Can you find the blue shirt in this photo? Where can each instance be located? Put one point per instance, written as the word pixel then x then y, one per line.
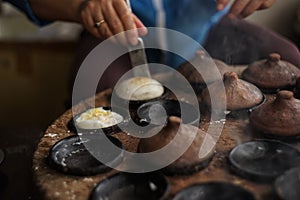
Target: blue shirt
pixel 191 17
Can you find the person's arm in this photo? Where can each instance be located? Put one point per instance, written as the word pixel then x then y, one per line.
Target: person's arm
pixel 113 16
pixel 244 8
pixel 102 18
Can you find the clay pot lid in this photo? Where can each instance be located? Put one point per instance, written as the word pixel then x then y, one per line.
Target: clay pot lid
pixel 279 117
pixel 214 191
pixel 132 186
pixel 206 65
pixel 272 73
pixel 263 160
pixel 239 94
pixel 287 185
pixel 184 164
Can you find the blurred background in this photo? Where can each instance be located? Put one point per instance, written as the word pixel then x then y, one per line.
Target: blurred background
pixel 34 76
pixel 35 62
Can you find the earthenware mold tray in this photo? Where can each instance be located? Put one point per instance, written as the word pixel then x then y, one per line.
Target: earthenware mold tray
pixel 56 185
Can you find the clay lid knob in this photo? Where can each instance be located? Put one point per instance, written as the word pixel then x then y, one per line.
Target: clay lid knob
pixel 285 94
pixel 274 57
pixel 230 76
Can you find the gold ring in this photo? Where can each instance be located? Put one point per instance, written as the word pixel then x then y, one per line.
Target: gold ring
pixel 98 24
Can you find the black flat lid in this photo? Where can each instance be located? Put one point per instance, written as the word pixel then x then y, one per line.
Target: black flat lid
pixel 154 112
pixel 287 185
pixel 263 160
pixel 214 191
pixel 71 156
pixel 128 186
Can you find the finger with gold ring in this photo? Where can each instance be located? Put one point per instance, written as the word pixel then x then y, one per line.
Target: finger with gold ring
pixel 98 24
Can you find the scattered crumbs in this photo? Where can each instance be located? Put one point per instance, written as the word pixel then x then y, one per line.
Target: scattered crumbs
pixel 36 168
pixel 63 162
pixel 73 196
pixel 88 179
pixel 65 184
pixel 68 131
pixel 153 187
pixel 53 126
pixel 52 135
pixel 214 122
pixel 227 112
pixel 238 182
pixel 279 151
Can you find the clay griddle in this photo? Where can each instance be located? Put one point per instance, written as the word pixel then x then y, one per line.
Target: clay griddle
pixel 126 186
pixel 55 185
pixel 263 160
pixel 214 191
pixel 70 156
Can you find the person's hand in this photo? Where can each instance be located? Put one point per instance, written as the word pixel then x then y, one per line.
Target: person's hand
pixel 244 8
pixel 105 18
